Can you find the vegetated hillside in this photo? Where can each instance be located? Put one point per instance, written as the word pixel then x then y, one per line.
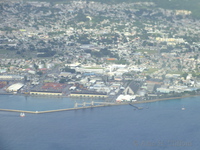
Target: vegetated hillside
pixel 192 5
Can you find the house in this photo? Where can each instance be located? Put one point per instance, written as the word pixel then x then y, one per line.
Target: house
pixel 132 88
pixel 151 87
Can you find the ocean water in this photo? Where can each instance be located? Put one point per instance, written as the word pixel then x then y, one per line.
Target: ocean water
pixel 159 125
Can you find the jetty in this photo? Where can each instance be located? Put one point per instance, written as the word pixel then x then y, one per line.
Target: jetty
pixel 135 106
pixel 84 105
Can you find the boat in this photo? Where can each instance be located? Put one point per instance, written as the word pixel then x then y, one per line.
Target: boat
pixel 22 114
pixel 183 108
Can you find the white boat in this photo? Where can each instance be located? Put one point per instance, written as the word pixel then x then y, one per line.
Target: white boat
pixel 183 108
pixel 22 114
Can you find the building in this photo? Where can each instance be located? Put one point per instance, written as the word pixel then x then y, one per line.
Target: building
pixel 11 77
pixel 88 94
pixel 132 88
pixel 48 93
pixel 15 87
pixel 3 84
pixel 163 90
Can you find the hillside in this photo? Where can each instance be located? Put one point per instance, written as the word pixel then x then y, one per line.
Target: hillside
pixel 192 5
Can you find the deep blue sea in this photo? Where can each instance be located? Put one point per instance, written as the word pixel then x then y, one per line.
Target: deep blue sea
pixel 159 125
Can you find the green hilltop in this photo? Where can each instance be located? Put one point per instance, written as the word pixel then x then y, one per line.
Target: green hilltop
pixel 191 5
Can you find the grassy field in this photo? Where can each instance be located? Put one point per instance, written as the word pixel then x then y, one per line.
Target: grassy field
pixel 3 51
pixel 175 72
pixel 151 70
pixel 192 5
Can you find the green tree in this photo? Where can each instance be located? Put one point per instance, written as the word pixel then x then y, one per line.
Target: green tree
pixel 67 69
pixel 25 78
pixel 39 73
pixel 62 80
pixel 184 75
pixel 35 66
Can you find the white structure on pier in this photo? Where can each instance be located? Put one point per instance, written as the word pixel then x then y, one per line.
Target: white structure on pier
pixel 121 98
pixel 15 87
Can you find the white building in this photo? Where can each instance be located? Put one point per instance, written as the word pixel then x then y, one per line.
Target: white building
pixel 15 87
pixel 32 72
pixel 11 77
pixel 122 98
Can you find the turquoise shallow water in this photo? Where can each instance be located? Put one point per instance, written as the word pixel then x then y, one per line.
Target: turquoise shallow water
pixel 160 125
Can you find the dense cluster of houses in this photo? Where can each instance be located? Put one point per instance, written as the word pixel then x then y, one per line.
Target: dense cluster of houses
pixel 99 50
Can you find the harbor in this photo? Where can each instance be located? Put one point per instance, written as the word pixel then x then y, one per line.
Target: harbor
pixel 88 105
pixel 102 124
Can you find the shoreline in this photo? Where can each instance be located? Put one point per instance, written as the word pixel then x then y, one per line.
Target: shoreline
pixel 164 99
pixel 106 104
pixel 139 102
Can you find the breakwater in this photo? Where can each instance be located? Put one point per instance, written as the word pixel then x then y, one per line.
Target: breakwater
pixel 91 105
pixel 77 106
pixel 50 111
pixel 136 107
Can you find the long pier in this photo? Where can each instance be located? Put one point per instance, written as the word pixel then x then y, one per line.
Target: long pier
pixel 91 105
pixel 49 111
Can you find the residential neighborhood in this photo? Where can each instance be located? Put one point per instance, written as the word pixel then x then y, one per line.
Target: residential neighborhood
pixel 120 52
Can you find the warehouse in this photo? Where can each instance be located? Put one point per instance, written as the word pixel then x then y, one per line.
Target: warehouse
pixel 15 87
pixel 49 93
pixel 87 94
pixel 11 77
